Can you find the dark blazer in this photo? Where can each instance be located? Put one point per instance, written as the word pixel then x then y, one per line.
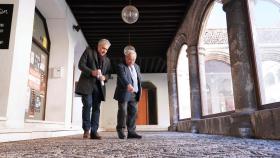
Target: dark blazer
pixel 124 78
pixel 87 83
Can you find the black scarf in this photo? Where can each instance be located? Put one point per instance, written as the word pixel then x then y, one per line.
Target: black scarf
pixel 101 60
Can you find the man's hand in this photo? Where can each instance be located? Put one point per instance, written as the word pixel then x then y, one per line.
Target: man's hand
pixel 102 78
pixel 130 88
pixel 96 73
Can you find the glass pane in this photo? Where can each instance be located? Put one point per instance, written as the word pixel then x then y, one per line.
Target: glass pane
pixel 265 20
pixel 39 31
pixel 219 87
pixel 214 64
pixel 37 83
pixel 183 84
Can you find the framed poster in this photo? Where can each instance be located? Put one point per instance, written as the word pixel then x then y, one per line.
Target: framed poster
pixel 6 14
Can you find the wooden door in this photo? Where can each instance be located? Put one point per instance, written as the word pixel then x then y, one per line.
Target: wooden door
pixel 142 115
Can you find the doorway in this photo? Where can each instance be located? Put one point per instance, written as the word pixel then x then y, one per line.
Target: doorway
pixel 147 106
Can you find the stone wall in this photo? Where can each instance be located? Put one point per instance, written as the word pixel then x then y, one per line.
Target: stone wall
pixel 264 125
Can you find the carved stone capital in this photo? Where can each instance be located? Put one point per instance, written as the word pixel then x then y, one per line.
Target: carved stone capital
pixel 173 127
pixel 192 50
pixel 201 51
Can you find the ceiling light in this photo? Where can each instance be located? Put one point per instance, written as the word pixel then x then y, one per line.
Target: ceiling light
pixel 130 14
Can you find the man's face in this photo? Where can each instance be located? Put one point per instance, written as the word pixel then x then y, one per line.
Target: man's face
pixel 102 49
pixel 130 59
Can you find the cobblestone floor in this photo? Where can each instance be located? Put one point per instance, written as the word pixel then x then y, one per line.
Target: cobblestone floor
pixel 153 144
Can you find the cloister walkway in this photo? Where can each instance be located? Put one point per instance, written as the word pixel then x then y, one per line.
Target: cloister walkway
pixel 153 144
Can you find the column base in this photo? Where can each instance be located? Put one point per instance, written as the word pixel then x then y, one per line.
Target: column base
pixel 194 126
pixel 173 127
pixel 241 125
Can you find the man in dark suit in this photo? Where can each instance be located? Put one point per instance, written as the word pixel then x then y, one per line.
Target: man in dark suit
pixel 127 93
pixel 95 67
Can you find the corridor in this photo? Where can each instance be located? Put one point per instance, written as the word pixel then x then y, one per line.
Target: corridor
pixel 153 144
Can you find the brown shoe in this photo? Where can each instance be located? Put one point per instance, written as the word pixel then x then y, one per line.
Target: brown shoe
pixel 86 135
pixel 95 136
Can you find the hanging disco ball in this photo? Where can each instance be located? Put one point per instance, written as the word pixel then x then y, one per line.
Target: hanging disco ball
pixel 130 14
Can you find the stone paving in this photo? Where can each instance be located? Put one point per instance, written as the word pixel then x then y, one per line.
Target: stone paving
pixel 153 144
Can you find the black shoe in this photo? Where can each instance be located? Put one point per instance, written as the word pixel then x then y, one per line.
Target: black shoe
pixel 95 136
pixel 121 134
pixel 86 135
pixel 133 135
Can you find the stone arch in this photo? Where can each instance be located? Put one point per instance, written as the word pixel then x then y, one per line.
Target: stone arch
pixel 172 59
pixel 194 21
pixel 174 51
pixel 188 34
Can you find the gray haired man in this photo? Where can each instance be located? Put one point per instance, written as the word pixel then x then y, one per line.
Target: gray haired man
pixel 127 93
pixel 95 67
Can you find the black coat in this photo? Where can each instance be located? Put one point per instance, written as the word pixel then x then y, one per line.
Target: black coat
pixel 87 83
pixel 124 78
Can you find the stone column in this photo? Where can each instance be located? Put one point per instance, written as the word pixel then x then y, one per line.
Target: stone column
pixel 241 67
pixel 203 87
pixel 173 99
pixel 194 87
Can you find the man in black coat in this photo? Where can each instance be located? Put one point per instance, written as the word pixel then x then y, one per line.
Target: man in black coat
pixel 127 93
pixel 95 67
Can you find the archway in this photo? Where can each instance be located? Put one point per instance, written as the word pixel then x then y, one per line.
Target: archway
pixel 147 108
pixel 172 59
pixel 183 84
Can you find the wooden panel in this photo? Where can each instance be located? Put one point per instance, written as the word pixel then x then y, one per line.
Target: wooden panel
pixel 142 115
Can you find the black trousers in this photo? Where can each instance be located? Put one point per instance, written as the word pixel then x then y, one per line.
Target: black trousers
pixel 127 114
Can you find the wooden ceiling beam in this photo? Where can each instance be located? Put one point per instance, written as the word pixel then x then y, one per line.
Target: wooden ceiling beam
pixel 129 30
pixel 133 37
pixel 117 11
pixel 118 17
pixel 151 35
pixel 94 27
pixel 136 34
pixel 169 21
pixel 92 5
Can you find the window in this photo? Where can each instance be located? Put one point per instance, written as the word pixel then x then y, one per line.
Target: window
pixel 183 83
pixel 38 69
pixel 214 63
pixel 265 20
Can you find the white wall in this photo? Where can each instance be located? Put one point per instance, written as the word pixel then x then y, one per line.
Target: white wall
pixel 6 61
pixel 67 46
pixel 15 64
pixel 64 41
pixel 109 108
pixel 160 81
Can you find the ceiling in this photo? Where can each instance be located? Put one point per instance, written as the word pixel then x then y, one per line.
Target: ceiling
pixel 151 35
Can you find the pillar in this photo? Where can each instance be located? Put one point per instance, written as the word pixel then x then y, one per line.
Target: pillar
pixel 194 87
pixel 15 65
pixel 244 88
pixel 173 99
pixel 203 87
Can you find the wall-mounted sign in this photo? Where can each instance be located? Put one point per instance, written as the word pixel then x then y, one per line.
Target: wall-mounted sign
pixel 6 14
